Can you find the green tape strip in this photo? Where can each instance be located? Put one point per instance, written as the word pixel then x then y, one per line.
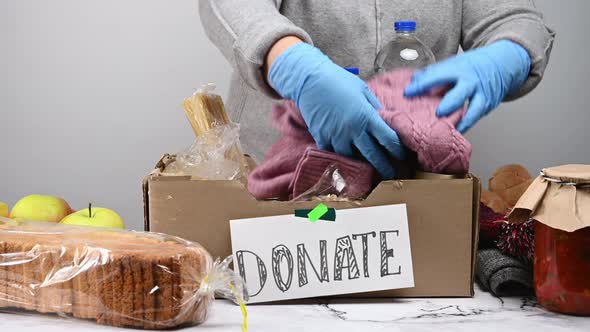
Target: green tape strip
pixel 328 215
pixel 317 212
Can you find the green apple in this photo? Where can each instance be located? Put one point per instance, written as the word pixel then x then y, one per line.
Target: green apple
pixel 40 208
pixel 95 217
pixel 3 210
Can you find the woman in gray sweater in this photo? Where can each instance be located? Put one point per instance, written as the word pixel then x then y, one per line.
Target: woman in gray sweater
pixel 295 49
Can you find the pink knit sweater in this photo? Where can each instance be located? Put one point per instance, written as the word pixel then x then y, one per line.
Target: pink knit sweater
pixel 293 164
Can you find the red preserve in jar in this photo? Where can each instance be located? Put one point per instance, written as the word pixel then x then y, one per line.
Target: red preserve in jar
pixel 562 269
pixel 559 199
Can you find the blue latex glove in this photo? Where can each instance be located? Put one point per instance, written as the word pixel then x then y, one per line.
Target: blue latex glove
pixel 484 76
pixel 338 107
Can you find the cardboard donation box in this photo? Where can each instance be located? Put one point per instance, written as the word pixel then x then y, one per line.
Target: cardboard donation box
pixel 441 216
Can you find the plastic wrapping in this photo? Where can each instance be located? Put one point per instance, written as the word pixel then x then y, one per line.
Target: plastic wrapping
pixel 330 187
pixel 216 153
pixel 205 110
pixel 114 277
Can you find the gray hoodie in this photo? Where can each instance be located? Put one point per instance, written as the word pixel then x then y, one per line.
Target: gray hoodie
pixel 351 33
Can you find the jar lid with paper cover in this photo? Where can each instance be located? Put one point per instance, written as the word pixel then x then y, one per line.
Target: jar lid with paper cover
pixel 559 199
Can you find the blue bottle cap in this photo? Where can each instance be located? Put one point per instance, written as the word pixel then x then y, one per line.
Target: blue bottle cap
pixel 354 71
pixel 405 26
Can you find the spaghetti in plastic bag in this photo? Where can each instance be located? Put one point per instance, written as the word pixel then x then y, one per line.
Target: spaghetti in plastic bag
pixel 216 153
pixel 114 277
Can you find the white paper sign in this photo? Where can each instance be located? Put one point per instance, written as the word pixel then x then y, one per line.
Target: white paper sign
pixel 288 257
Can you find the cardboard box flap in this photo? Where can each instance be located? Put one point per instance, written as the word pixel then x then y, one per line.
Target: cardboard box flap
pixel 163 163
pixel 559 198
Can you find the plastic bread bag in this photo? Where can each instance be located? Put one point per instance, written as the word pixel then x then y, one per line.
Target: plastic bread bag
pixel 114 277
pixel 216 153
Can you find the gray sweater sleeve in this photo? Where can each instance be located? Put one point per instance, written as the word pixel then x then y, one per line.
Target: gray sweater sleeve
pixel 487 21
pixel 244 31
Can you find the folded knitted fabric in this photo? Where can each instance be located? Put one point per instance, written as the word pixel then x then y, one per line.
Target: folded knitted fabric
pixel 438 146
pixel 503 275
pixel 273 178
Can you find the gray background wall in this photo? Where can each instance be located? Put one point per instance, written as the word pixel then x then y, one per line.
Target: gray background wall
pixel 91 92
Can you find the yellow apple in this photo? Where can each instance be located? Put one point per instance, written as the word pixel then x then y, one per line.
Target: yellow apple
pixel 95 217
pixel 40 208
pixel 3 210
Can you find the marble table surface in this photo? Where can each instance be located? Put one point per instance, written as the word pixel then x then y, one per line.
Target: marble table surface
pixel 481 313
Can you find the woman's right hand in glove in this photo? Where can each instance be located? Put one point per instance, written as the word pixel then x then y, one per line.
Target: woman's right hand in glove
pixel 338 107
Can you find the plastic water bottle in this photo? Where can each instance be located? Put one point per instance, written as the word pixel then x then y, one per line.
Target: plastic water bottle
pixel 405 51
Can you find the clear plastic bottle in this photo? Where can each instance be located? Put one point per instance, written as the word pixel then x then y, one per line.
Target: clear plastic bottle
pixel 405 51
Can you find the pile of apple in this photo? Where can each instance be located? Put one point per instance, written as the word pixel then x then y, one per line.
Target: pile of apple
pixel 55 209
